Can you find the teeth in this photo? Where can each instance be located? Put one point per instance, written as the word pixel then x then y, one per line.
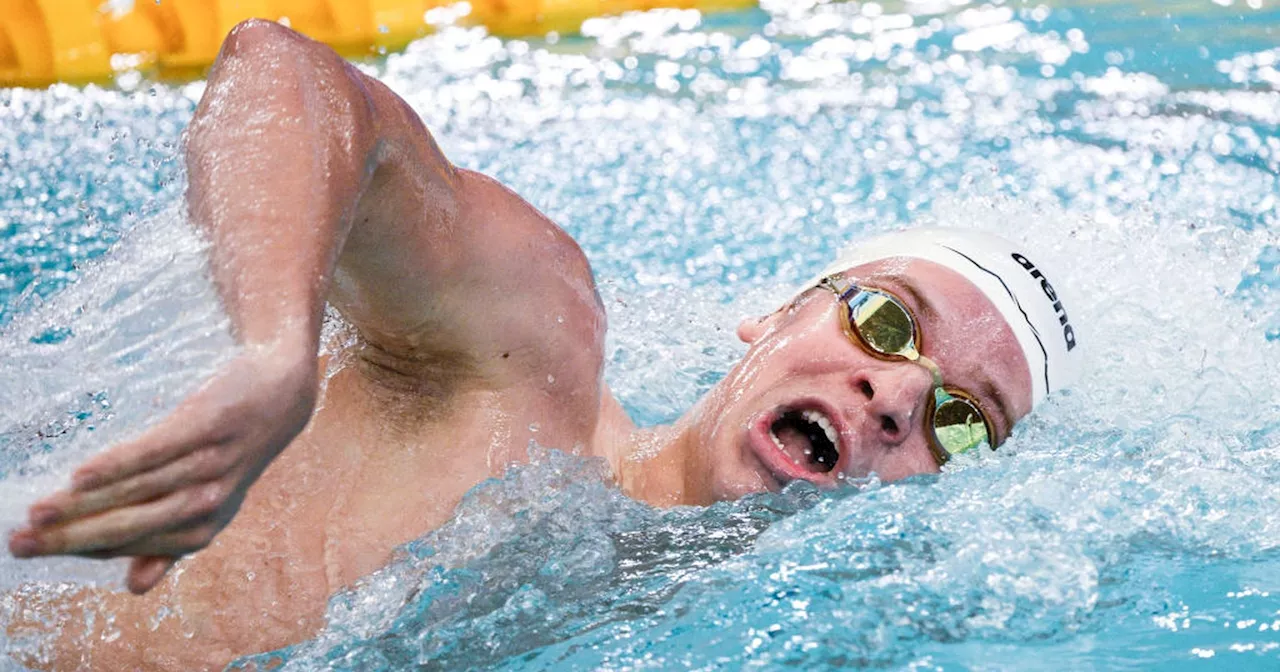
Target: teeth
pixel 777 442
pixel 814 418
pixel 819 419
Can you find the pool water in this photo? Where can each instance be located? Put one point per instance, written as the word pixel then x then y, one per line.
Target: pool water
pixel 707 164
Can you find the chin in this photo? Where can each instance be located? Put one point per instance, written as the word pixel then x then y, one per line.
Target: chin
pixel 732 490
pixel 736 473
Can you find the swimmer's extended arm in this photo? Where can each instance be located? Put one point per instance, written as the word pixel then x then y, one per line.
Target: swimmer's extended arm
pixel 313 181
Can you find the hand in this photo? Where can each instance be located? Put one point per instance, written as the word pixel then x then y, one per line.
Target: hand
pixel 169 492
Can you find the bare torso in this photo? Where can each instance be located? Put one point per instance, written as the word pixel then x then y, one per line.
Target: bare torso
pixel 376 467
pixel 479 326
pixel 386 457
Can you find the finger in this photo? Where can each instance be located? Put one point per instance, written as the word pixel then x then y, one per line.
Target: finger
pixel 146 571
pixel 202 465
pixel 176 435
pixel 175 544
pixel 22 543
pixel 97 555
pixel 115 528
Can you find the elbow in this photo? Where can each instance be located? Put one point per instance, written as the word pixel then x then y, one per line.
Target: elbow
pixel 256 37
pixel 258 50
pixel 265 65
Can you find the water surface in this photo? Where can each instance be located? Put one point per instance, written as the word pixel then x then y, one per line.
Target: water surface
pixel 707 164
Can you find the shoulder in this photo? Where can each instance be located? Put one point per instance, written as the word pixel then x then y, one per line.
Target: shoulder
pixel 545 294
pixel 538 259
pixel 513 302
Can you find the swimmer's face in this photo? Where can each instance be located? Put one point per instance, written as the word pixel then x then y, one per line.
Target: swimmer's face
pixel 802 375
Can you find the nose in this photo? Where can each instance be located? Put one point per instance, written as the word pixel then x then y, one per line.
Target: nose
pixel 895 394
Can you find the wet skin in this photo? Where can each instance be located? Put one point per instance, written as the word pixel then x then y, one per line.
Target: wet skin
pixel 317 184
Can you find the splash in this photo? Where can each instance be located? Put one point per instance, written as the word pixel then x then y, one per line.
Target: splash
pixel 708 164
pixel 96 363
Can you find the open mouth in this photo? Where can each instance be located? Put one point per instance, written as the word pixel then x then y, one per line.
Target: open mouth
pixel 808 438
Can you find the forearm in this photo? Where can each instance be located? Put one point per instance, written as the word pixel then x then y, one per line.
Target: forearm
pixel 278 153
pixel 314 183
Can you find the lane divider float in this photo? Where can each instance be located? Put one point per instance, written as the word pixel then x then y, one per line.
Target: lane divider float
pixel 79 41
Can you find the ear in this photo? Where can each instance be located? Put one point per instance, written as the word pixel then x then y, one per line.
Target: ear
pixel 752 328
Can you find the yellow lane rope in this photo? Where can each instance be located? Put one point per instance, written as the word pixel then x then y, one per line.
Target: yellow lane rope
pixel 47 41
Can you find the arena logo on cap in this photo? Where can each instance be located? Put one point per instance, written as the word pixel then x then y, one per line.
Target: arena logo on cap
pixel 1068 334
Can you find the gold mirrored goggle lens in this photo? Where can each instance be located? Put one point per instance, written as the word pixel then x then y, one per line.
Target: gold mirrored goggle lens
pixel 883 323
pixel 958 425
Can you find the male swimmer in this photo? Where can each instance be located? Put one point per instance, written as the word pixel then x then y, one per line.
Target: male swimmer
pixel 478 317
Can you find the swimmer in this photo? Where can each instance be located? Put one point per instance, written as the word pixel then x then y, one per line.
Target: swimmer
pixel 478 321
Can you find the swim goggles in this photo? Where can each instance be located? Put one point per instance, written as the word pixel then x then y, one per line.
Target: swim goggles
pixel 883 326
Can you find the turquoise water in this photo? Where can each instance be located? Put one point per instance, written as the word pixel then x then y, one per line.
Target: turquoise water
pixel 706 164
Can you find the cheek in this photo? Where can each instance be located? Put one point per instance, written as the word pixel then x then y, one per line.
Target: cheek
pixel 769 361
pixel 764 355
pixel 905 462
pixel 724 472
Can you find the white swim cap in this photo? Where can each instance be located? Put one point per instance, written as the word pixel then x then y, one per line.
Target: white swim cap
pixel 1032 307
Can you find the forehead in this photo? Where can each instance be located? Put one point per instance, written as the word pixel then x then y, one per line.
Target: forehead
pixel 960 329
